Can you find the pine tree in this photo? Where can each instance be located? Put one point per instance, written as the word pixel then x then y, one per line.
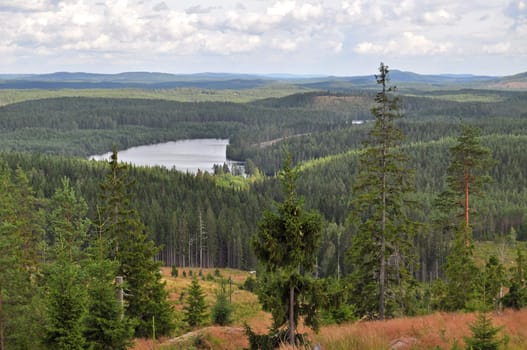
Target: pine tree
pixel 145 297
pixel 286 243
pixel 467 172
pixel 381 250
pixel 483 334
pixel 195 308
pixel 466 176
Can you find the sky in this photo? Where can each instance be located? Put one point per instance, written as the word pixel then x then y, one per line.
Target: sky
pixel 330 37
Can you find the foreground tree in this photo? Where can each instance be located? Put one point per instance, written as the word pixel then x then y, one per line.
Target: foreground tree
pixel 66 297
pixel 107 327
pixel 484 334
pixel 146 297
pixel 285 244
pixel 21 309
pixel 381 248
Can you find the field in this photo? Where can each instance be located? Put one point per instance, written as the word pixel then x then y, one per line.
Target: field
pixel 436 331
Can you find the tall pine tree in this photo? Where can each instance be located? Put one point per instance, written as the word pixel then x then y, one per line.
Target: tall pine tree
pixel 466 176
pixel 381 250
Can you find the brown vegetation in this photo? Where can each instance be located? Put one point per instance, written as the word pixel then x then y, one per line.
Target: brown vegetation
pixel 427 332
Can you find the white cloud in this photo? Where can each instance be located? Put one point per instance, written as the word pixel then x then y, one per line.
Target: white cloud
pixel 231 43
pixel 440 16
pixel 353 9
pixel 25 5
pixel 499 48
pixel 409 44
pixel 263 32
pixel 281 8
pixel 307 12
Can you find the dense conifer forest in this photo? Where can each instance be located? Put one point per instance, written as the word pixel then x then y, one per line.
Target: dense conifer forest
pixel 210 220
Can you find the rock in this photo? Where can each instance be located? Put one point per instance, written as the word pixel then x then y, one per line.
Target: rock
pixel 403 343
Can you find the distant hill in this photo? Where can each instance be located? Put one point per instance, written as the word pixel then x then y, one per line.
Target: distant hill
pixel 518 81
pixel 157 80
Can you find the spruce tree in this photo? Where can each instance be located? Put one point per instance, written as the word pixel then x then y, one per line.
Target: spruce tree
pixel 484 334
pixel 517 295
pixel 381 250
pixel 107 327
pixel 146 297
pixel 66 297
pixel 195 307
pixel 222 309
pixel 286 243
pixel 21 309
pixel 462 275
pixel 66 302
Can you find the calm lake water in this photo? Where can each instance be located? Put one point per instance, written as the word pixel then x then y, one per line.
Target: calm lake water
pixel 184 155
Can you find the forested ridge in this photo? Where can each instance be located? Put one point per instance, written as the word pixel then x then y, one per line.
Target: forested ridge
pixel 207 220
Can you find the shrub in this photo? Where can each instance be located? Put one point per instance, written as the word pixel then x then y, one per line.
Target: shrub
pixel 249 284
pixel 174 271
pixel 222 309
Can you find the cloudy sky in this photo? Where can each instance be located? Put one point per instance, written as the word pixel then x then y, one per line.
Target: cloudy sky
pixel 339 37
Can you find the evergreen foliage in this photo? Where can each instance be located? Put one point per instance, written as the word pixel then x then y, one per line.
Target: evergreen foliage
pixel 66 305
pixel 381 250
pixel 106 325
pixel 66 296
pixel 145 294
pixel 467 173
pixel 493 282
pixel 462 275
pixel 195 307
pixel 222 309
pixel 285 243
pixel 484 334
pixel 517 295
pixel 21 305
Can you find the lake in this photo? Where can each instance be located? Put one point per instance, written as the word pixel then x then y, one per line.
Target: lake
pixel 184 155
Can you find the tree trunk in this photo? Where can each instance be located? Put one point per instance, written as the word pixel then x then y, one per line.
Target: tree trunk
pixel 382 272
pixel 292 316
pixel 1 323
pixel 467 179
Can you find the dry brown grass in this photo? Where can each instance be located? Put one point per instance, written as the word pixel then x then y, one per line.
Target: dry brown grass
pixel 439 329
